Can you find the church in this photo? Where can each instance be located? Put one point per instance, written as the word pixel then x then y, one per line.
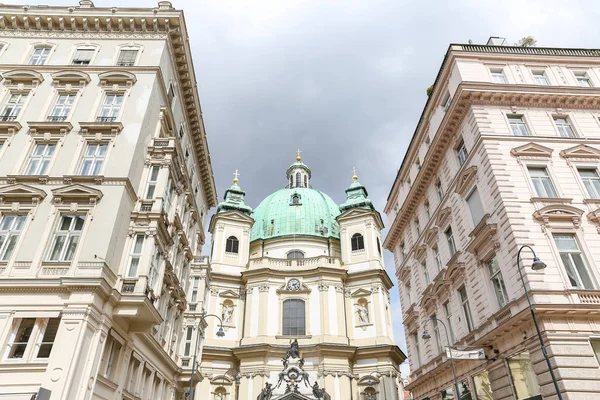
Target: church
pixel 301 274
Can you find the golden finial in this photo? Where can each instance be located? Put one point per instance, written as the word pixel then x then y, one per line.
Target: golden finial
pixel 298 158
pixel 235 177
pixel 354 176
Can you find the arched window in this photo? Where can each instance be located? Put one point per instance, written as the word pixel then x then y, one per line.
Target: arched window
pixel 370 394
pixel 232 245
pixel 295 199
pixel 298 181
pixel 294 322
pixel 291 180
pixel 378 246
pixel 220 393
pixel 358 242
pixel 295 254
pixel 305 181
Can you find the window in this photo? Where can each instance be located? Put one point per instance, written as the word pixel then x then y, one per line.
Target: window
pixel 113 349
pixel 298 180
pixel 358 242
pixel 483 388
pixel 109 111
pixel 66 238
pixel 583 79
pixel 523 376
pixel 450 240
pixel 127 58
pixel 540 78
pixel 464 300
pixel 83 56
pixel 498 76
pixel 168 196
pixel 305 181
pixel 294 254
pixel 171 93
pixel 61 108
pixel 436 333
pixel 564 127
pixel 10 230
pixel 446 102
pixel 448 394
pixel 542 182
pixel 425 274
pixel 497 281
pixel 427 210
pixel 574 262
pixel 475 206
pixel 449 323
pixel 152 182
pixel 39 56
pixel 436 256
pixel 415 336
pixel 295 199
pixel 518 125
pixel 591 181
pixel 194 297
pixel 439 191
pixel 408 294
pixel 402 251
pixel 187 347
pixel 12 107
pixel 93 159
pixel 40 159
pixel 40 333
pixel 596 347
pixel 417 227
pixel 232 245
pixel 291 180
pixel 370 394
pixel 461 152
pixel 293 317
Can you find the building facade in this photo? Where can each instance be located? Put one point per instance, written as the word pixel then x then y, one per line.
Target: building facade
pixel 298 267
pixel 505 154
pixel 105 183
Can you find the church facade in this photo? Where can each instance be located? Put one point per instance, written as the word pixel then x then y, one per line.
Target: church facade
pixel 299 267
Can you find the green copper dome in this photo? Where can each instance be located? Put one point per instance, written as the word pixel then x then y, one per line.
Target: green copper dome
pixel 296 211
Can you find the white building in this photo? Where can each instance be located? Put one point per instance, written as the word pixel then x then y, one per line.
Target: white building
pixel 505 154
pixel 105 182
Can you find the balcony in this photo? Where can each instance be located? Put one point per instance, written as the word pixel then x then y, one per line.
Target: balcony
pixel 323 261
pixel 7 118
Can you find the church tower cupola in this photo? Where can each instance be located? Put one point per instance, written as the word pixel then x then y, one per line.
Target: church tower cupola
pixel 233 200
pixel 356 196
pixel 298 174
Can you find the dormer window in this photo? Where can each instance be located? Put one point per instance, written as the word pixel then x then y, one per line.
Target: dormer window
pixel 295 199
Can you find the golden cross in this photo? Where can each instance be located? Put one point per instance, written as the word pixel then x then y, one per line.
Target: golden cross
pixel 354 171
pixel 298 156
pixel 235 176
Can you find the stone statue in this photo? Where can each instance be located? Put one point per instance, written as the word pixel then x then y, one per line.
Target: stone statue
pixel 266 393
pixel 363 313
pixel 294 350
pixel 219 396
pixel 227 313
pixel 317 392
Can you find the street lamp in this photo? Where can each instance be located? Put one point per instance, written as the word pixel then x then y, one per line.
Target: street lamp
pixel 220 333
pixel 537 266
pixel 427 336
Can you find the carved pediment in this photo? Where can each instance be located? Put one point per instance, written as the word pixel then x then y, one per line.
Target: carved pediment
pixel 368 380
pixel 69 77
pixel 581 151
pixel 465 180
pixel 119 78
pixel 25 77
pixel 440 287
pixel 532 150
pixel 420 252
pixel 428 301
pixel 230 294
pixel 559 213
pixel 483 238
pixel 21 193
pixel 443 217
pixel 39 128
pixel 456 268
pixel 594 216
pixel 221 380
pixel 404 274
pixel 431 236
pixel 361 293
pixel 76 193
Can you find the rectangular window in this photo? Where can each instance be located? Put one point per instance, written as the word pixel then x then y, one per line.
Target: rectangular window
pixel 154 268
pixel 425 274
pixel 40 333
pixel 194 297
pixel 542 183
pixel 39 56
pixel 564 127
pixel 446 102
pixel 114 349
pixel 450 241
pixel 464 300
pixel 83 56
pixel 437 258
pixel 591 181
pixel 540 78
pixel 18 345
pixel 497 281
pixel 523 377
pixel 187 347
pixel 10 230
pixel 427 210
pixel 152 182
pixel 498 76
pixel 40 158
pixel 436 334
pixel 168 196
pixel 50 331
pixel 439 191
pixel 136 254
pixel 475 206
pixel 62 108
pixel 293 317
pixel 518 125
pixel 66 238
pixel 13 106
pixel 408 294
pixel 171 94
pixel 574 262
pixel 417 348
pixel 93 159
pixel 461 152
pixel 111 106
pixel 583 79
pixel 417 227
pixel 596 347
pixel 449 322
pixel 127 58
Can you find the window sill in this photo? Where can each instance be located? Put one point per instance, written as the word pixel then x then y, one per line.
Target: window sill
pixel 551 200
pixel 591 201
pixel 10 365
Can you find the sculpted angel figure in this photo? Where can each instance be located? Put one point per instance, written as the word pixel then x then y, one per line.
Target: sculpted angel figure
pixel 363 313
pixel 227 313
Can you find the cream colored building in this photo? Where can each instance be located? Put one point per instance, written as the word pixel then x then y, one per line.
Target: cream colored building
pixel 505 154
pixel 105 183
pixel 298 266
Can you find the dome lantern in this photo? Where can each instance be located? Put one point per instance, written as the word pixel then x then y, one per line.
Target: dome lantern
pixel 298 174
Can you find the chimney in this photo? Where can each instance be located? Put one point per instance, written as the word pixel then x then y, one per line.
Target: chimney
pixel 495 41
pixel 165 5
pixel 86 4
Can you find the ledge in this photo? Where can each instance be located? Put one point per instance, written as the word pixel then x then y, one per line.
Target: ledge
pixel 42 127
pixel 10 127
pixel 110 127
pixel 551 200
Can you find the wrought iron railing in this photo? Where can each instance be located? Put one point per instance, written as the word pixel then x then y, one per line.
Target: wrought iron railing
pixel 106 119
pixel 56 118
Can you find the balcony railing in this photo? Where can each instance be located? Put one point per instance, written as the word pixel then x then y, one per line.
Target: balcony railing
pixel 56 118
pixel 128 287
pixel 295 262
pixel 192 307
pixel 146 206
pixel 8 117
pixel 125 64
pixel 106 119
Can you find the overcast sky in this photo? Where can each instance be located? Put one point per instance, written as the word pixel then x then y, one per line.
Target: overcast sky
pixel 343 80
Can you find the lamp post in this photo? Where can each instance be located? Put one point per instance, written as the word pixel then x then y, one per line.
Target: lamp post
pixel 220 333
pixel 427 336
pixel 370 382
pixel 537 265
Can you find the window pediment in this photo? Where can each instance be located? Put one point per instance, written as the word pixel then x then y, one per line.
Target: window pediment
pixel 431 236
pixel 532 150
pixel 420 252
pixel 70 78
pixel 483 238
pixel 444 217
pixel 21 193
pixel 117 78
pixel 49 129
pixel 465 180
pixel 594 216
pixel 22 77
pixel 581 151
pixel 361 293
pixel 230 294
pixel 557 213
pixel 76 193
pixel 9 127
